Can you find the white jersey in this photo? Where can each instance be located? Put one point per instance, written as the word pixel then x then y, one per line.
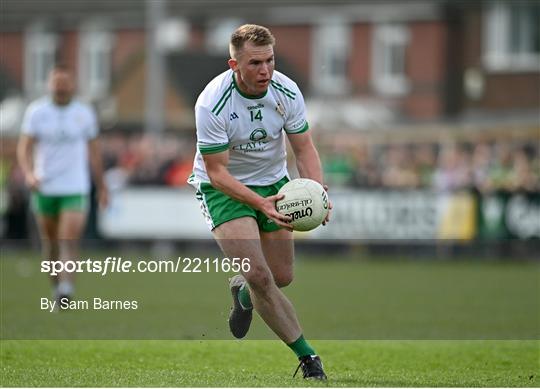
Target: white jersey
pixel 251 128
pixel 61 149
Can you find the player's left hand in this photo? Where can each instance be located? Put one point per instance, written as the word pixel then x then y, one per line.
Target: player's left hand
pixel 268 207
pixel 329 207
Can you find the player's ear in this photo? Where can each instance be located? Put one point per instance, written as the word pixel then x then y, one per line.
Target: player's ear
pixel 233 64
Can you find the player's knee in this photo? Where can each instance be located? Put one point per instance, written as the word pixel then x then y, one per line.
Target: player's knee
pixel 283 279
pixel 259 279
pixel 50 248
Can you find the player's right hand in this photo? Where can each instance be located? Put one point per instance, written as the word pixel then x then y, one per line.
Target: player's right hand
pixel 268 207
pixel 32 181
pixel 103 197
pixel 330 206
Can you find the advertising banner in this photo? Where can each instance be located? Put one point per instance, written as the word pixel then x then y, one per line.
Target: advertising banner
pixel 356 214
pixel 504 215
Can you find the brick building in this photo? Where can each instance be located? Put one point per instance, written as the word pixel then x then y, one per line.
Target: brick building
pixel 361 64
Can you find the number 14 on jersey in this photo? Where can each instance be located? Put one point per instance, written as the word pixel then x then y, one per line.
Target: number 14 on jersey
pixel 256 116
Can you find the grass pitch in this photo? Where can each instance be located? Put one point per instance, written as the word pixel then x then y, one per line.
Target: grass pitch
pixel 439 302
pixel 269 363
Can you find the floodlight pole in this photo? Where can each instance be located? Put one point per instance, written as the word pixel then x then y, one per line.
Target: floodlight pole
pixel 155 69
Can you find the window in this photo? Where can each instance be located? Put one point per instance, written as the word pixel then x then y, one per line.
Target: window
pixel 173 35
pixel 512 36
pixel 40 52
pixel 94 62
pixel 218 34
pixel 332 41
pixel 388 59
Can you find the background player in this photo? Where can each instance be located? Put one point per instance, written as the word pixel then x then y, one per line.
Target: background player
pixel 57 145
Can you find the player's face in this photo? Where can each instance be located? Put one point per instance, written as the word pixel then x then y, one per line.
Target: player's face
pixel 254 67
pixel 61 86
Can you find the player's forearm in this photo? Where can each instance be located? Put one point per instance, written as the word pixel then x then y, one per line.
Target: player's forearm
pixel 222 180
pixel 309 165
pixel 24 156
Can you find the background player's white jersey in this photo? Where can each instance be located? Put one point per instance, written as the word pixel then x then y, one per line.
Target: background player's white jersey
pixel 61 148
pixel 251 128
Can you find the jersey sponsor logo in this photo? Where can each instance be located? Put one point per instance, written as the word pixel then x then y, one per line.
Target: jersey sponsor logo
pixel 80 120
pixel 60 135
pixel 258 134
pixel 258 142
pixel 258 106
pixel 298 125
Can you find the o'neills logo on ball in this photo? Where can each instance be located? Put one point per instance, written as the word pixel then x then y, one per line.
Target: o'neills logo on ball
pixel 294 204
pixel 325 200
pixel 300 214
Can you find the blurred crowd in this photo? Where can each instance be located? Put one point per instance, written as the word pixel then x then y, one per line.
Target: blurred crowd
pixel 147 159
pixel 137 159
pixel 488 165
pixel 485 166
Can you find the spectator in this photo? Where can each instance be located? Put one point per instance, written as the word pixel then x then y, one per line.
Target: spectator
pixel 452 172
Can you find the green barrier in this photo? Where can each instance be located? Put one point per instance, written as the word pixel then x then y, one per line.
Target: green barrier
pixel 505 215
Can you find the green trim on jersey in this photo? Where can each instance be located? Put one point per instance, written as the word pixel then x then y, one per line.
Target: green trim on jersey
pixel 282 87
pixel 213 149
pixel 301 130
pixel 251 97
pixel 283 90
pixel 218 208
pixel 221 103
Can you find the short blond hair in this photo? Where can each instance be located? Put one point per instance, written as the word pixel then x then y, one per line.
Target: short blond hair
pixel 258 35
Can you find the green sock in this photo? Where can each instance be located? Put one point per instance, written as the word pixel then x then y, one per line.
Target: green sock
pixel 301 347
pixel 243 296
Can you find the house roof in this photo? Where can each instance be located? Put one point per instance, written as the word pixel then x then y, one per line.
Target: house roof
pixel 131 13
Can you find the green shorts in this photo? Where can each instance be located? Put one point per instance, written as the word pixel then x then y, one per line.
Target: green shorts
pixel 54 205
pixel 218 208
